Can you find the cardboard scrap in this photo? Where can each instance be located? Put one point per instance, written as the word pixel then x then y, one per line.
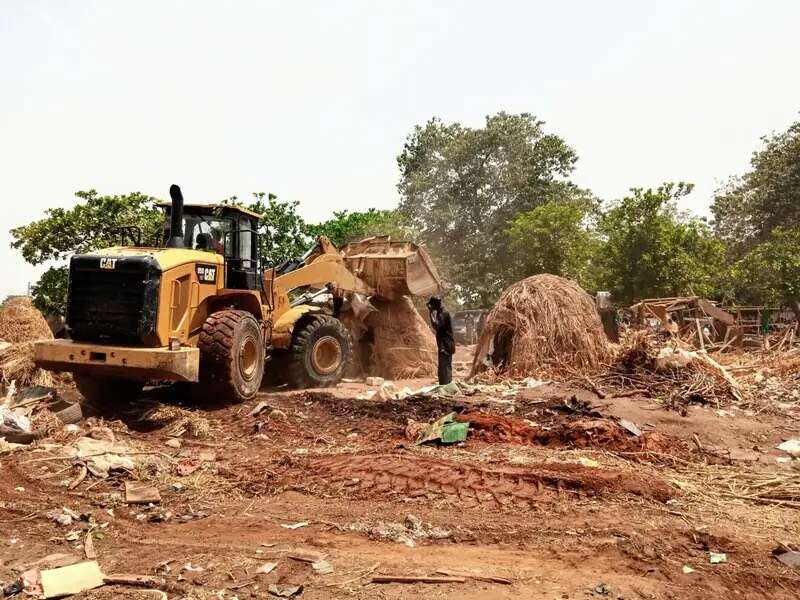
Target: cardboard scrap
pixel 72 579
pixel 139 493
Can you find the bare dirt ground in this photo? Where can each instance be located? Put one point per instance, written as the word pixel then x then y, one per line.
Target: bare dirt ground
pixel 547 492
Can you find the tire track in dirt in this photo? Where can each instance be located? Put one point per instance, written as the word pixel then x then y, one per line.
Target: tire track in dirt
pixel 376 474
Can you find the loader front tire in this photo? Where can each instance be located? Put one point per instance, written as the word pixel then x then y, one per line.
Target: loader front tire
pixel 231 357
pixel 319 353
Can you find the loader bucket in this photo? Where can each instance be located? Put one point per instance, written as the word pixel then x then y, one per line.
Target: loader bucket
pixel 393 269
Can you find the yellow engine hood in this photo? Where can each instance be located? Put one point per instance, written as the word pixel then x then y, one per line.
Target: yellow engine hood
pixel 166 258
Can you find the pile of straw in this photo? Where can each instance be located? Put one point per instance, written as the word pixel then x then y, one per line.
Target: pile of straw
pixel 20 322
pixel 403 344
pixel 542 326
pixel 16 364
pixel 21 325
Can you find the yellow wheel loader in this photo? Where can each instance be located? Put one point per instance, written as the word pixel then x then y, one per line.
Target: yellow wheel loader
pixel 200 310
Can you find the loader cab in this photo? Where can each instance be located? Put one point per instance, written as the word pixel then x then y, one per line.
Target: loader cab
pixel 231 231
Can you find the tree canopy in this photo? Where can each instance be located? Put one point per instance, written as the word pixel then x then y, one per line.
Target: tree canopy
pixel 650 249
pixel 461 188
pixel 750 207
pixel 558 238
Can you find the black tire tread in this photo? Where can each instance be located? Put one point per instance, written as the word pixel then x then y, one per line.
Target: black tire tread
pixel 216 349
pixel 296 371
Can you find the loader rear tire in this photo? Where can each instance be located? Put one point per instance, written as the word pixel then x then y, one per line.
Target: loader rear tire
pixel 101 392
pixel 231 356
pixel 320 352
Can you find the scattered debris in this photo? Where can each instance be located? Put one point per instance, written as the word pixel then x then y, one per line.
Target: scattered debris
pixel 323 567
pixel 415 579
pixel 295 525
pixel 266 568
pixel 374 381
pixel 476 576
pixel 187 466
pixel 139 493
pixel 687 570
pixel 716 558
pixel 630 427
pixel 135 580
pixel 72 579
pixel 445 429
pixel 791 447
pixel 790 558
pixel 284 591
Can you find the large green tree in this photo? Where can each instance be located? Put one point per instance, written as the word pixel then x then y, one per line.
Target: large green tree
pixel 91 224
pixel 748 208
pixel 769 273
pixel 346 226
pixel 283 234
pixel 651 249
pixel 558 238
pixel 461 188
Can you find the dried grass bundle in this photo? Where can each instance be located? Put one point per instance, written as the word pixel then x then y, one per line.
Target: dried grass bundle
pixel 16 364
pixel 20 322
pixel 543 326
pixel 702 380
pixel 404 345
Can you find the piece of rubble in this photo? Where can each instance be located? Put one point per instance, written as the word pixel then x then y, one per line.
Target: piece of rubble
pixel 323 567
pixel 139 493
pixel 294 525
pixel 266 568
pixel 284 591
pixel 790 558
pixel 717 558
pixel 374 381
pixel 277 414
pixel 791 447
pixel 173 443
pixel 100 456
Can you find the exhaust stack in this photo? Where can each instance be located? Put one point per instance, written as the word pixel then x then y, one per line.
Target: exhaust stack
pixel 176 218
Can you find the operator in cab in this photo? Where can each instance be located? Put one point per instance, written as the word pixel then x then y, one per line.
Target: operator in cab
pixel 445 343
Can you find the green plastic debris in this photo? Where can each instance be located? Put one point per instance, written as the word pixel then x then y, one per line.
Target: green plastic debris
pixel 455 432
pixel 445 429
pixel 448 389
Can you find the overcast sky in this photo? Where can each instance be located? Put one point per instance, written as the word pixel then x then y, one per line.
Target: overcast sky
pixel 313 100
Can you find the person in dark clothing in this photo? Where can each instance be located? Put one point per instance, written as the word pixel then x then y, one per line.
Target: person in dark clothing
pixel 445 343
pixel 337 298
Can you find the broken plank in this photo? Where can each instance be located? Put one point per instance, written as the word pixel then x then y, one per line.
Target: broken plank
pixel 135 580
pixel 415 579
pixel 479 577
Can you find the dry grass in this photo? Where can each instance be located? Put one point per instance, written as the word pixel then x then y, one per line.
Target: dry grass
pixel 16 364
pixel 21 322
pixel 546 326
pixel 699 381
pixel 404 346
pixel 21 325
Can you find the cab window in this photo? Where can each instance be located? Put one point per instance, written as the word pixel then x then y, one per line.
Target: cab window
pixel 209 234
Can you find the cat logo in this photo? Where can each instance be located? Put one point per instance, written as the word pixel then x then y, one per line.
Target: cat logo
pixel 206 273
pixel 108 263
